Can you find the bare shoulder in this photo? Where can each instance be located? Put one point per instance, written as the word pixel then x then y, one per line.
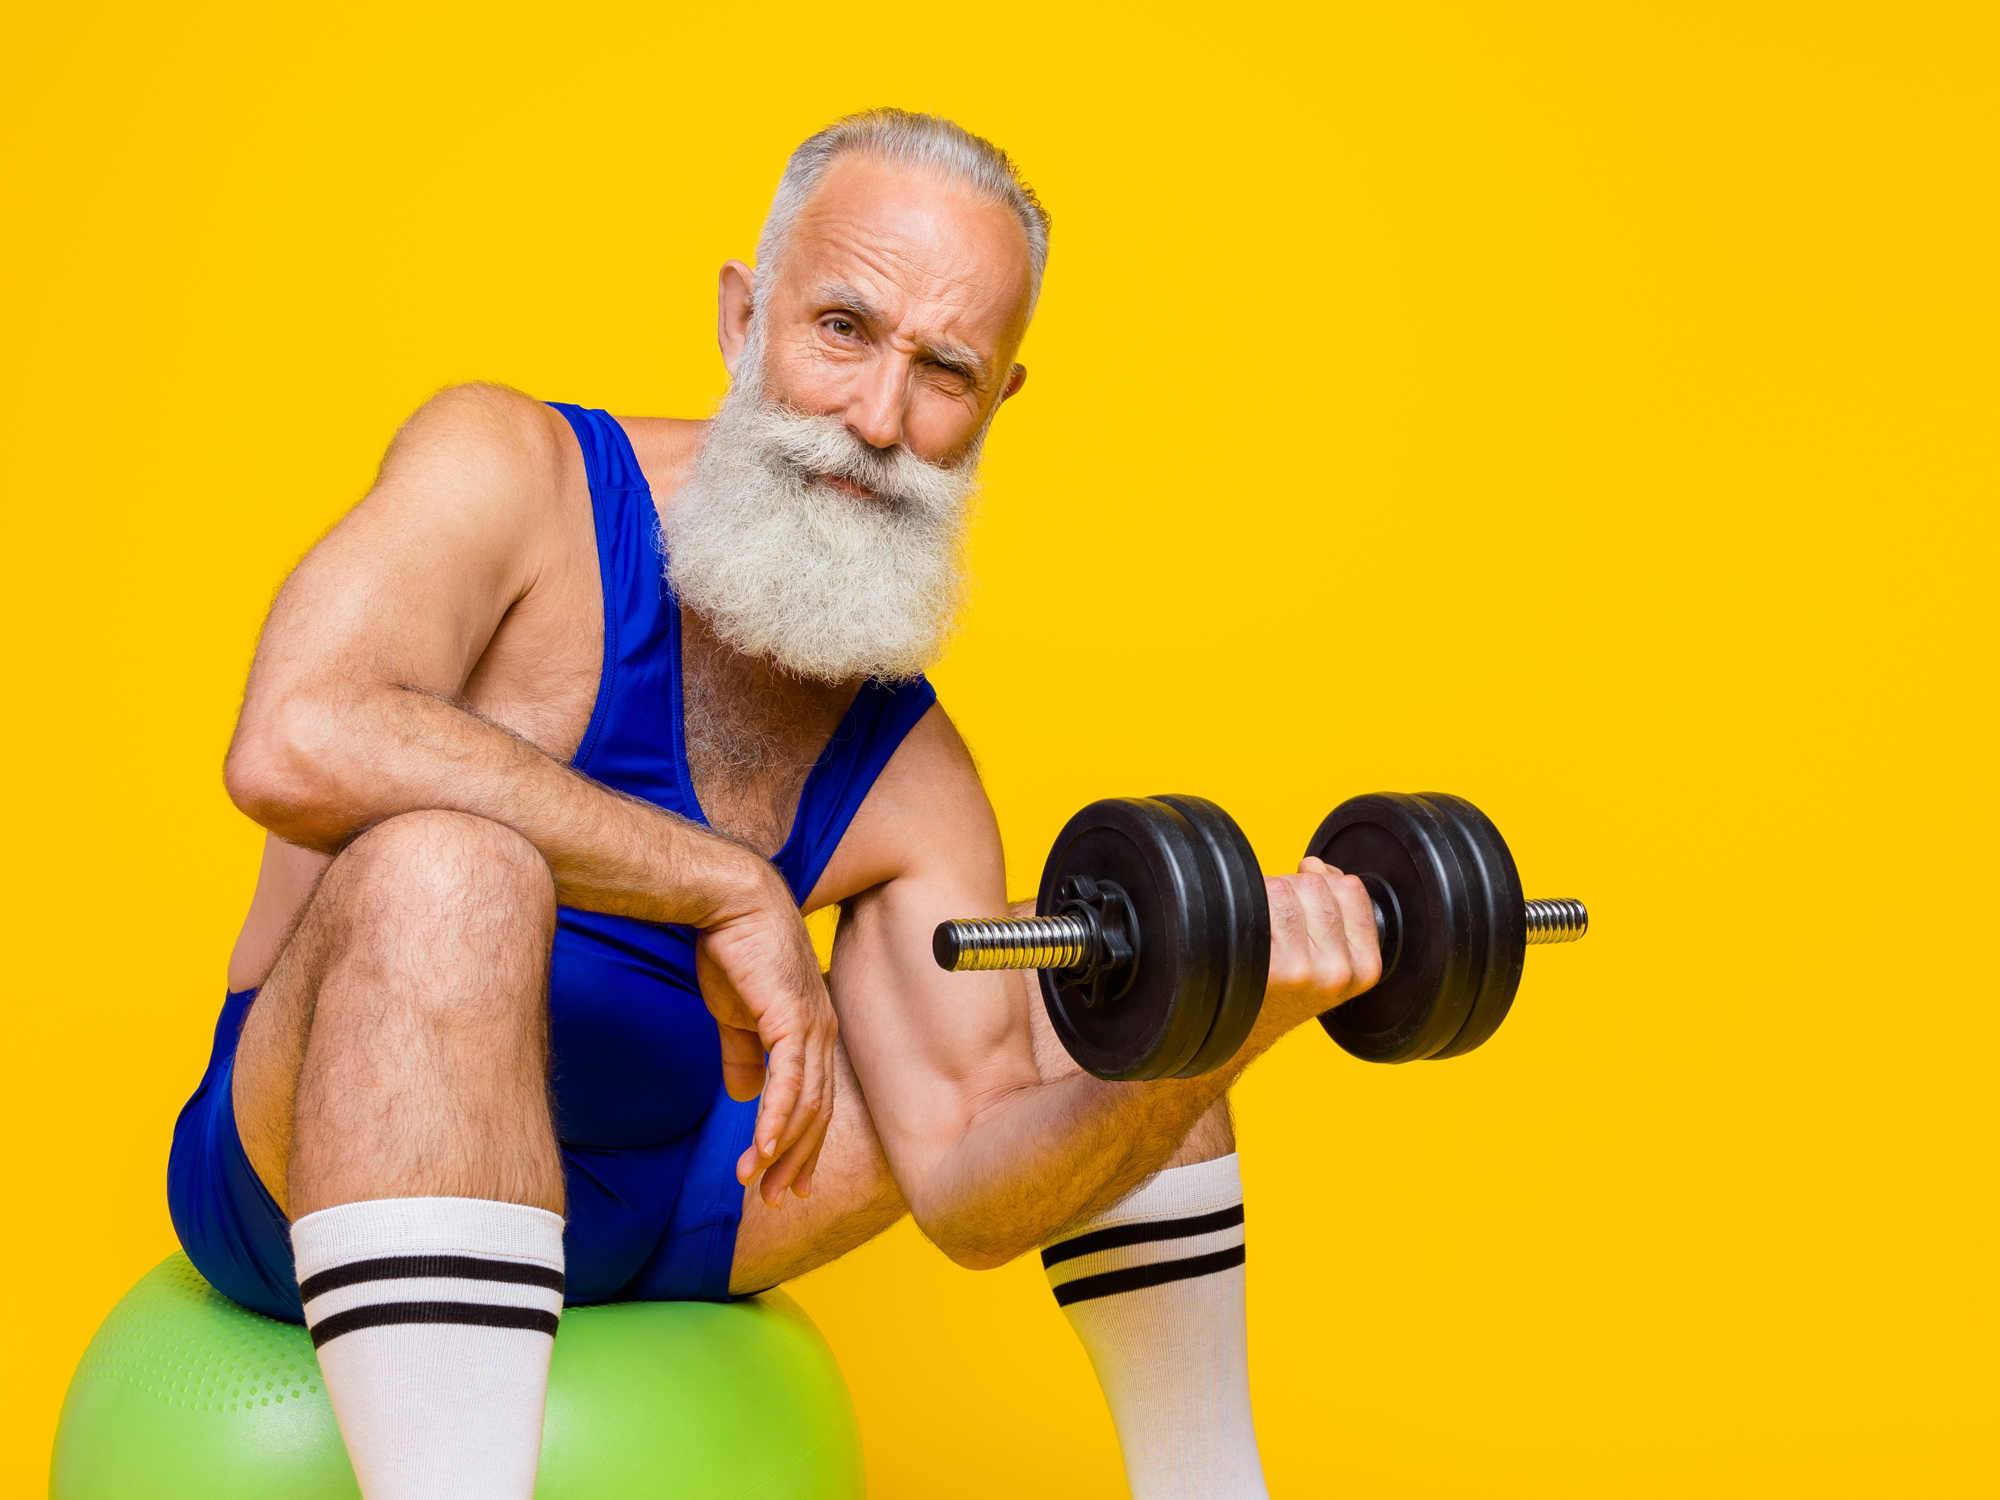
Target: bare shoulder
pixel 665 448
pixel 481 432
pixel 926 811
pixel 480 475
pixel 481 505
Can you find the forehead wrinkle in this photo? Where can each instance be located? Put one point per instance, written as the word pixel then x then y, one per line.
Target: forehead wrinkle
pixel 953 285
pixel 891 202
pixel 947 272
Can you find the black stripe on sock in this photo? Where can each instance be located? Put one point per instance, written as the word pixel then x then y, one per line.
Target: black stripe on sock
pixel 395 1267
pixel 479 1314
pixel 1140 1234
pixel 1134 1278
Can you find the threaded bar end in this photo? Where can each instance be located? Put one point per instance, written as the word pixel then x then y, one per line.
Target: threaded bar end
pixel 1558 921
pixel 1015 943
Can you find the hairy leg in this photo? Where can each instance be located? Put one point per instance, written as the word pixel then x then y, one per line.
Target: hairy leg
pixel 391 1090
pixel 399 1046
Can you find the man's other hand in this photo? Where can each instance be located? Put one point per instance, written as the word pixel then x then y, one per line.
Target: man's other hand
pixel 761 981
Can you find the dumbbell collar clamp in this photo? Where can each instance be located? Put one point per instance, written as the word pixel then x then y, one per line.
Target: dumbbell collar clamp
pixel 1111 953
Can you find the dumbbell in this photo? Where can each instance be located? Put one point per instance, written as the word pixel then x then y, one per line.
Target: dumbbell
pixel 1153 932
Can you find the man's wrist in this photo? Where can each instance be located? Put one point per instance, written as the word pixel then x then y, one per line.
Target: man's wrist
pixel 722 880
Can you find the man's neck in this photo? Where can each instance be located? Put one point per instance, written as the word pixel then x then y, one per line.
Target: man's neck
pixel 666 449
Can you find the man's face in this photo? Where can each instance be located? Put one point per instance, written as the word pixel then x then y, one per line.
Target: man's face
pixel 822 526
pixel 900 304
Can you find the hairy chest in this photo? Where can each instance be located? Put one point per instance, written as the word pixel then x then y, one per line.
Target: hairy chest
pixel 753 736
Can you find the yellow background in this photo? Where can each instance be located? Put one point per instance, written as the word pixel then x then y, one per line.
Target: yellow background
pixel 1584 409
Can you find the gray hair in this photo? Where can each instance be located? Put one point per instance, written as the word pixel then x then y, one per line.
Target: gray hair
pixel 916 140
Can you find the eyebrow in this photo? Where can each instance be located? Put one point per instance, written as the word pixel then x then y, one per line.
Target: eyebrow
pixel 849 297
pixel 955 357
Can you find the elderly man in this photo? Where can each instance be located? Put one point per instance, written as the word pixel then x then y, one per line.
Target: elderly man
pixel 556 736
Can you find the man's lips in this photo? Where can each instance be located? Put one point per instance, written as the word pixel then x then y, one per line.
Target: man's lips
pixel 848 486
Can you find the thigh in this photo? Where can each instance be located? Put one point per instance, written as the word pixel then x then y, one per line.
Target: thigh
pixel 271 1052
pixel 226 1219
pixel 854 1199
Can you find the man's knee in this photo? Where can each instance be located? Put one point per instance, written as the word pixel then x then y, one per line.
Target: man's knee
pixel 450 912
pixel 436 863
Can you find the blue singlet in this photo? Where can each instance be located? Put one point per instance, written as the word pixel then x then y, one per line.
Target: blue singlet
pixel 649 1139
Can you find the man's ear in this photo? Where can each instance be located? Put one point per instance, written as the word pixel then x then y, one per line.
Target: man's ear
pixel 1016 378
pixel 734 300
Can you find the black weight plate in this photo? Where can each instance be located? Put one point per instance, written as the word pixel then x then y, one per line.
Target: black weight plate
pixel 1240 924
pixel 1155 855
pixel 1488 860
pixel 1423 1005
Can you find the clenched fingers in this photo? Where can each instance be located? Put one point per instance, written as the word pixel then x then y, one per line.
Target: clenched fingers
pixel 1357 922
pixel 1323 940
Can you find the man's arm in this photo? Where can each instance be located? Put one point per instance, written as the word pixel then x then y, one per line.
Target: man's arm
pixel 992 1160
pixel 355 713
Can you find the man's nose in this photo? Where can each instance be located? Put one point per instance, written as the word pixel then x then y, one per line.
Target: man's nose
pixel 875 410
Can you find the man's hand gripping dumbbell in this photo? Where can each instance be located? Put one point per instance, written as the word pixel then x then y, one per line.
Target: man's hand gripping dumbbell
pixel 1153 932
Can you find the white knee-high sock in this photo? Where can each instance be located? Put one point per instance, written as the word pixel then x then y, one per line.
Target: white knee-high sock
pixel 1154 1288
pixel 434 1319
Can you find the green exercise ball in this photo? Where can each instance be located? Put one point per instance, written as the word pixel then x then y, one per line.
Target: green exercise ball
pixel 183 1395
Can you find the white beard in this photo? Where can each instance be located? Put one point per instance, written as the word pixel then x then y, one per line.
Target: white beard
pixel 782 565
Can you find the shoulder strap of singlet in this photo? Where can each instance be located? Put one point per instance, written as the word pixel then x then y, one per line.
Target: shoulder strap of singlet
pixel 876 724
pixel 607 452
pixel 630 744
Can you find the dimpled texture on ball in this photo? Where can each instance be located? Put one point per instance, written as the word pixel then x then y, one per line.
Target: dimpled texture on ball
pixel 180 1341
pixel 183 1394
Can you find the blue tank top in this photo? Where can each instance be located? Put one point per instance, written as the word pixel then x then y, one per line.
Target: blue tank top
pixel 649 1138
pixel 637 1061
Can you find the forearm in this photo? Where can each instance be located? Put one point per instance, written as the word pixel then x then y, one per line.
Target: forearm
pixel 994 1150
pixel 318 774
pixel 1048 1154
